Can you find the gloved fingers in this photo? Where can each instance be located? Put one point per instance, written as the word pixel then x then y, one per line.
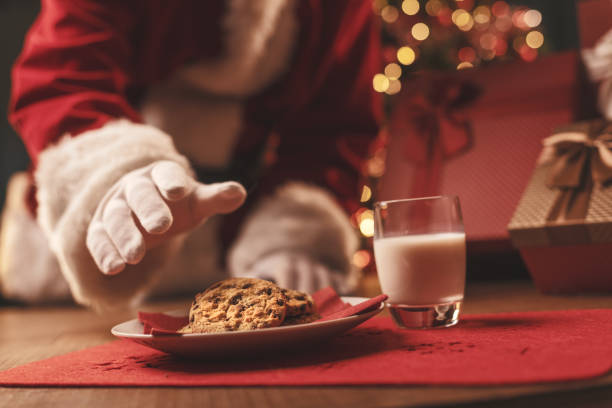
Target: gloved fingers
pixel 171 180
pixel 102 250
pixel 123 232
pixel 218 198
pixel 148 206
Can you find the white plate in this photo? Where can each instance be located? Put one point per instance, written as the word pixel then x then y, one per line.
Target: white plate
pixel 240 343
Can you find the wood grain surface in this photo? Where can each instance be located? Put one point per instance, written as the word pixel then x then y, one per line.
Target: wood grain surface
pixel 34 333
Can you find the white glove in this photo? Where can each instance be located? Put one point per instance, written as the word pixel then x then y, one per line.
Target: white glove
pixel 295 270
pixel 148 206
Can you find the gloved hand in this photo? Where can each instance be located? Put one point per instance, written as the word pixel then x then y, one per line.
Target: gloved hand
pixel 295 270
pixel 148 206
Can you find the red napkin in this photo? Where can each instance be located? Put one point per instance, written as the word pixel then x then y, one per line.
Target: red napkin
pixel 329 306
pixel 508 348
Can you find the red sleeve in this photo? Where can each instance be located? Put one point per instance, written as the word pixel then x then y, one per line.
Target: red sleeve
pixel 73 71
pixel 327 138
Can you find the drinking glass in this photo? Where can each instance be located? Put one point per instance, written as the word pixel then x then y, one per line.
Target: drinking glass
pixel 419 248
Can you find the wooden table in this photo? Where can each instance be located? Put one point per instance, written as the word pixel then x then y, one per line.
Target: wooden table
pixel 30 334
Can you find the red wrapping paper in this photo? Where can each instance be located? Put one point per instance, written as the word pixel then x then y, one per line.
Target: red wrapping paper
pixel 486 349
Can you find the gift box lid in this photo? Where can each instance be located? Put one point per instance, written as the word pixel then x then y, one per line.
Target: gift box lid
pixel 550 213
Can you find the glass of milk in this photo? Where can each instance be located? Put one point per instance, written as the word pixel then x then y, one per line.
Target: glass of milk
pixel 419 247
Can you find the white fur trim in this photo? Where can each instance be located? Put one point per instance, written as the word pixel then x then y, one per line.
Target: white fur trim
pixel 29 271
pixel 71 178
pixel 259 37
pixel 204 127
pixel 299 218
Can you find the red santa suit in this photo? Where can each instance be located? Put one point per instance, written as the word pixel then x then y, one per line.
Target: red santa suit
pixel 277 89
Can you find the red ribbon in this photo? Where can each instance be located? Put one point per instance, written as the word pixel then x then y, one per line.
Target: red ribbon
pixel 436 128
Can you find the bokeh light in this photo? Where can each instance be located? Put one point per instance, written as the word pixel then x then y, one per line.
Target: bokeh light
pixel 433 7
pixel 518 19
pixel 389 14
pixel 500 9
pixel 393 71
pixel 406 55
pixel 420 31
pixel 466 54
pixel 465 65
pixel 532 18
pixel 366 194
pixel 534 39
pixel 380 83
pixel 488 41
pixel 376 165
pixel 366 223
pixel 410 7
pixel 527 53
pixel 362 258
pixel 460 17
pixel 394 87
pixel 482 15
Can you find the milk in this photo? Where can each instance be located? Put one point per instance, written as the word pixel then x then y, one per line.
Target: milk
pixel 423 269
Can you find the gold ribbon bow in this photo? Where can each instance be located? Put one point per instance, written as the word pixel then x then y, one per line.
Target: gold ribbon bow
pixel 580 159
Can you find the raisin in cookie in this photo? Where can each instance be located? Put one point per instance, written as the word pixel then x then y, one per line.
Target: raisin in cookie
pixel 298 303
pixel 237 304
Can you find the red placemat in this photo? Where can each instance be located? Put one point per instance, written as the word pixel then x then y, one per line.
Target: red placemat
pixel 509 348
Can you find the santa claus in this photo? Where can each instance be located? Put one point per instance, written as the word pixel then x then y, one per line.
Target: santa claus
pixel 146 118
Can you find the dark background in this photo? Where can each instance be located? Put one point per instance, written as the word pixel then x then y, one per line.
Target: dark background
pixel 16 15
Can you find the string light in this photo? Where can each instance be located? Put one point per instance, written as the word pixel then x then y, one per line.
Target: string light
pixel 380 83
pixel 420 31
pixel 406 55
pixel 393 71
pixel 534 39
pixel 411 7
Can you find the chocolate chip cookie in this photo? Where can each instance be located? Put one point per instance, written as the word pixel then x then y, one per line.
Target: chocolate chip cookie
pixel 237 304
pixel 305 318
pixel 298 303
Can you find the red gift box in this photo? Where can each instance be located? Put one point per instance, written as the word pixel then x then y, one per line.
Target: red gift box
pixel 477 134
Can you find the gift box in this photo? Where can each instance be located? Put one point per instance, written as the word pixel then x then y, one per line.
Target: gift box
pixel 563 223
pixel 477 134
